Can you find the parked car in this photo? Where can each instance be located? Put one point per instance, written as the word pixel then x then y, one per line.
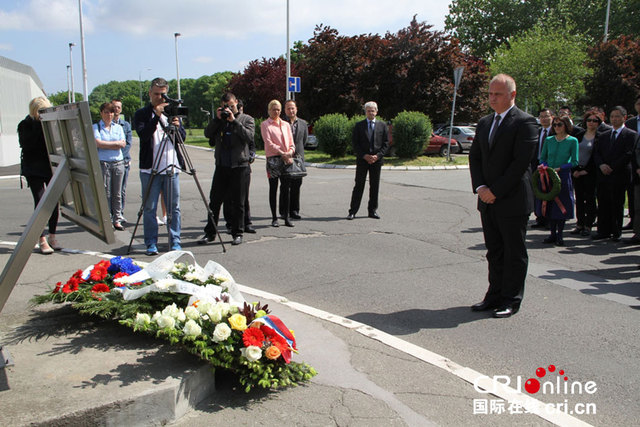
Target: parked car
pixel 440 145
pixel 312 141
pixel 463 134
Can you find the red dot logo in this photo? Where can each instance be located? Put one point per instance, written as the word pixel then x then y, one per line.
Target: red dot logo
pixel 540 372
pixel 532 385
pixel 552 368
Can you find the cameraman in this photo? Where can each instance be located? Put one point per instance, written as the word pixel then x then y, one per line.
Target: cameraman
pixel 156 149
pixel 231 132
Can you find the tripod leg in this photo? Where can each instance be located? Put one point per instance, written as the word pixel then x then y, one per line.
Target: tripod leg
pixel 145 197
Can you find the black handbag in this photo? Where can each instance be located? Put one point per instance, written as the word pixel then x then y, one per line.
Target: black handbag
pixel 275 166
pixel 296 169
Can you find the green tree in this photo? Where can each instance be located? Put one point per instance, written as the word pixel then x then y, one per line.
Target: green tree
pixel 484 25
pixel 411 130
pixel 548 67
pixel 62 97
pixel 616 77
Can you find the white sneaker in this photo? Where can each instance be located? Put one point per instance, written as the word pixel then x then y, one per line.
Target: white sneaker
pixel 160 222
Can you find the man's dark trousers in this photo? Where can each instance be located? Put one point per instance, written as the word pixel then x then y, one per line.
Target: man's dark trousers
pixel 233 180
pixel 362 168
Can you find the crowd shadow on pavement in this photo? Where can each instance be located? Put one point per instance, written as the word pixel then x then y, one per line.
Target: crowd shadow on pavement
pixel 408 322
pixel 70 334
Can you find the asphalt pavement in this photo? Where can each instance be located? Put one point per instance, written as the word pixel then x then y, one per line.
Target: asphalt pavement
pixel 380 309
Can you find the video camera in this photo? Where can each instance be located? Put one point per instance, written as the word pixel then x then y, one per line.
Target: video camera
pixel 175 107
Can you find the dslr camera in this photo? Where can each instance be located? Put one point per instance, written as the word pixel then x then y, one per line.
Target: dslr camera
pixel 225 112
pixel 175 107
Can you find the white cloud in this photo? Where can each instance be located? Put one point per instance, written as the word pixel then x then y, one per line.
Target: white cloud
pixel 44 15
pixel 6 46
pixel 220 18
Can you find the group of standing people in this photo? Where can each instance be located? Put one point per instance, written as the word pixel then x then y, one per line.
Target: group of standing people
pixel 595 167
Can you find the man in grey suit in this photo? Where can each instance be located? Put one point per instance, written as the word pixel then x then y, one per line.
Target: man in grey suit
pixel 370 144
pixel 300 130
pixel 499 161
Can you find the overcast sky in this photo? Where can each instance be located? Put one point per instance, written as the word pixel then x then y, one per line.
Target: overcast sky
pixel 126 38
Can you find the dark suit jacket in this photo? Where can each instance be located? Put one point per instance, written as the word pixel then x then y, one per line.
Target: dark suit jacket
pixel 617 155
pixel 361 144
pixel 242 131
pixel 632 123
pixel 535 161
pixel 504 167
pixel 300 136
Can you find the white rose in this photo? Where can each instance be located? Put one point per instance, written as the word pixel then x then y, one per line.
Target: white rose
pixel 192 313
pixel 234 309
pixel 191 277
pixel 215 314
pixel 171 310
pixel 142 319
pixel 191 328
pixel 165 321
pixel 225 307
pixel 156 315
pixel 204 306
pixel 181 316
pixel 221 332
pixel 252 353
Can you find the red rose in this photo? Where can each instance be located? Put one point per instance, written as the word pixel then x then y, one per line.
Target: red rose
pixel 252 336
pixel 100 287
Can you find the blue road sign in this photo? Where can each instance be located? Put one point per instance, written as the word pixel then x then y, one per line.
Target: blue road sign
pixel 294 84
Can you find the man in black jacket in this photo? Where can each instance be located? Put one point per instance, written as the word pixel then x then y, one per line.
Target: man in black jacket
pixel 300 130
pixel 157 152
pixel 232 133
pixel 370 144
pixel 499 163
pixel 612 155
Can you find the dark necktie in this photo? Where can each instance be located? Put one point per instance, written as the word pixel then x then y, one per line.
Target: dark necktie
pixel 613 136
pixel 544 136
pixel 371 136
pixel 492 135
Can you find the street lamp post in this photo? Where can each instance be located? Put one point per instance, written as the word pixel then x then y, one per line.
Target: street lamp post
pixel 176 35
pixel 288 93
pixel 73 93
pixel 140 83
pixel 68 85
pixel 84 62
pixel 606 22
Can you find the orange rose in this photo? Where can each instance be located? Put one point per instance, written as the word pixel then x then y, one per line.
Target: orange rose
pixel 272 352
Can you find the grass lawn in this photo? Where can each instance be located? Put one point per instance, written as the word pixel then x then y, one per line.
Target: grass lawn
pixel 196 137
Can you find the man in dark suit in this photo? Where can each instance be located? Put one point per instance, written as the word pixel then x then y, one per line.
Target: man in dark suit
pixel 612 155
pixel 499 162
pixel 300 130
pixel 545 116
pixel 634 122
pixel 370 144
pixel 565 111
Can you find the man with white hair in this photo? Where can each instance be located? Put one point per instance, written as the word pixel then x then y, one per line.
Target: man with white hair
pixel 370 144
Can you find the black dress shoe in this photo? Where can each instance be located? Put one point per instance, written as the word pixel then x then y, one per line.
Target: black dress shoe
pixel 206 239
pixel 538 225
pixel 506 311
pixel 483 306
pixel 249 229
pixel 615 238
pixel 295 215
pixel 599 237
pixel 577 230
pixel 634 240
pixel 351 216
pixel 237 240
pixel 629 226
pixel 560 242
pixel 274 223
pixel 374 215
pixel 550 239
pixel 288 223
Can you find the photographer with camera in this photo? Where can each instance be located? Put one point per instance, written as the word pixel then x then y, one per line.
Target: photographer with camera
pixel 231 132
pixel 160 163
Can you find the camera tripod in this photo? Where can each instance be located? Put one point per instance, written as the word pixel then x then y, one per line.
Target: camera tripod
pixel 173 136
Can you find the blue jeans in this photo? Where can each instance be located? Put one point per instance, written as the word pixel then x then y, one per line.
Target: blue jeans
pixel 167 185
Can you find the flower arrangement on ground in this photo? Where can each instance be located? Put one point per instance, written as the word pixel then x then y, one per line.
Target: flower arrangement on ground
pixel 197 308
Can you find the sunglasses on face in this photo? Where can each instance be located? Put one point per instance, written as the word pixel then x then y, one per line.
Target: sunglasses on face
pixel 558 124
pixel 592 120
